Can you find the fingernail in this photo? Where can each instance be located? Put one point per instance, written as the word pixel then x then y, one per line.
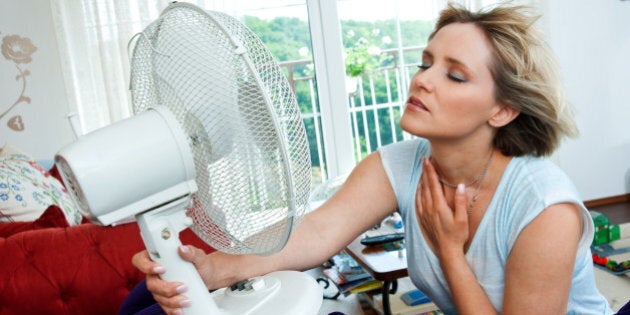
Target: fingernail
pixel 184 303
pixel 181 289
pixel 159 269
pixel 461 189
pixel 177 312
pixel 184 249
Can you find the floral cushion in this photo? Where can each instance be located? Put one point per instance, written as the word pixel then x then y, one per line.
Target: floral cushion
pixel 27 190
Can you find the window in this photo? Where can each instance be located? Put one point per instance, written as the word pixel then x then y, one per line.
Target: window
pixel 349 68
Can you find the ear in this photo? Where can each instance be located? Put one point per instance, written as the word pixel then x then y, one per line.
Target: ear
pixel 503 116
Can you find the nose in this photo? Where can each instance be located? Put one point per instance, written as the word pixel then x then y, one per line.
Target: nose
pixel 423 80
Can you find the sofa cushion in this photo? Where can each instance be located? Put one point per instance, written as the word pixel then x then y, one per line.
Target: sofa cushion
pixel 84 269
pixel 27 190
pixel 52 217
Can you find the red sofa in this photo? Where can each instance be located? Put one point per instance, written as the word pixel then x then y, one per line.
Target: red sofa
pixel 47 267
pixel 50 267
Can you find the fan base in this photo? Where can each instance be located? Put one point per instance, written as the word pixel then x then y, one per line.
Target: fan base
pixel 280 292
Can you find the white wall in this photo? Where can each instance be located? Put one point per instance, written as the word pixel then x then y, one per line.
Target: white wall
pixel 592 42
pixel 45 129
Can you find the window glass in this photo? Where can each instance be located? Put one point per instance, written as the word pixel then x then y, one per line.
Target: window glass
pixel 382 43
pixel 283 28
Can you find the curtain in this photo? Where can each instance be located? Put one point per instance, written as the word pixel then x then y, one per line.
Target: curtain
pixel 93 37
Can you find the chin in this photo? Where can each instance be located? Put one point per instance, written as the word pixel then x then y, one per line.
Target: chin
pixel 416 128
pixel 407 124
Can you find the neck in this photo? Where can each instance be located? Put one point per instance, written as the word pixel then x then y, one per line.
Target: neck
pixel 461 165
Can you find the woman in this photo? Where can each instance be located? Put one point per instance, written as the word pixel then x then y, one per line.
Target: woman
pixel 491 227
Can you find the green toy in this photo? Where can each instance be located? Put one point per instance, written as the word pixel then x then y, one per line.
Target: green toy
pixel 604 232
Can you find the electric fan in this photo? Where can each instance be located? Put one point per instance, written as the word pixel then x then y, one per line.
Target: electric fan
pixel 217 143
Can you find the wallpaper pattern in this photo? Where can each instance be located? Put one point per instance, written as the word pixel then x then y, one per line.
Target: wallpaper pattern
pixel 18 51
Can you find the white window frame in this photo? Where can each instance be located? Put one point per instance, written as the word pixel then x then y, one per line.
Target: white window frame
pixel 330 74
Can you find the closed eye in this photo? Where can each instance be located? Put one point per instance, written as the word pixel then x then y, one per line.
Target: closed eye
pixel 424 66
pixel 456 78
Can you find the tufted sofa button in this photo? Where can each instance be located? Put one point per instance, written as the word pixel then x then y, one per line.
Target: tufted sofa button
pixel 28 257
pixel 95 246
pixel 65 295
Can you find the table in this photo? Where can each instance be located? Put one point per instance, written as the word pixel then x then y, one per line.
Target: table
pixel 383 265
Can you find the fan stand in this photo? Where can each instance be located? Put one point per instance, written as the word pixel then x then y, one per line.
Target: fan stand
pixel 160 228
pixel 280 292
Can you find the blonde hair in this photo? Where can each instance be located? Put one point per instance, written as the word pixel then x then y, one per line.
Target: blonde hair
pixel 526 77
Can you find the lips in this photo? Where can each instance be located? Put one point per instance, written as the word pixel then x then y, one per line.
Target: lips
pixel 415 104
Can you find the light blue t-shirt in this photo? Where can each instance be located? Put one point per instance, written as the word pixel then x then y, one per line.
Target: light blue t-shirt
pixel 528 186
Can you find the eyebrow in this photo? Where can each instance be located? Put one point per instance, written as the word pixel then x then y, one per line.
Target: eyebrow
pixel 448 59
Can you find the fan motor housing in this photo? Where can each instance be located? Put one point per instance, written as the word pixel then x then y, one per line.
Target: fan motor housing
pixel 128 167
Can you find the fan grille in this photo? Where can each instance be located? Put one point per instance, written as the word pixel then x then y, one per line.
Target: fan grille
pixel 244 126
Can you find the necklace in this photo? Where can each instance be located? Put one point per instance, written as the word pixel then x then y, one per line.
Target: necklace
pixel 479 179
pixel 476 179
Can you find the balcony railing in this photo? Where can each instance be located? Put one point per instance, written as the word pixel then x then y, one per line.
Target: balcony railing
pixel 374 108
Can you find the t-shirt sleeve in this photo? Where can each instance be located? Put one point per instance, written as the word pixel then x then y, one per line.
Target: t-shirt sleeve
pixel 541 185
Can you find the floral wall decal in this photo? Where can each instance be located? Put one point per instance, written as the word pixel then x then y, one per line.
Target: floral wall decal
pixel 18 50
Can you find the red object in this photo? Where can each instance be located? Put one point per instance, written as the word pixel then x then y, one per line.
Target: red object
pixel 52 217
pixel 599 260
pixel 47 267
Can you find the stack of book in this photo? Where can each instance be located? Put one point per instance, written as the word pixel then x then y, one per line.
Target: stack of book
pixel 398 306
pixel 349 276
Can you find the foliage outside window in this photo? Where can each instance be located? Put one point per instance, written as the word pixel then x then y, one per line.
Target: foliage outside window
pixel 363 57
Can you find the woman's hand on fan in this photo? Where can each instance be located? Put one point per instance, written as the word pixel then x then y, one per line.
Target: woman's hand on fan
pixel 170 295
pixel 203 263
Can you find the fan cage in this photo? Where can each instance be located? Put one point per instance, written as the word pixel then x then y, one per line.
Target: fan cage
pixel 242 120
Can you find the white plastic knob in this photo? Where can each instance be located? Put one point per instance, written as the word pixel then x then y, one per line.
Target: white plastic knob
pixel 258 284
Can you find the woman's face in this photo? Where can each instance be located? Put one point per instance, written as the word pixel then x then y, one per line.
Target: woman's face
pixel 452 94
